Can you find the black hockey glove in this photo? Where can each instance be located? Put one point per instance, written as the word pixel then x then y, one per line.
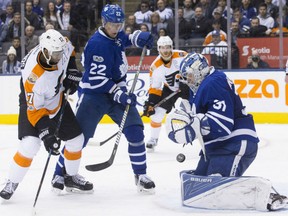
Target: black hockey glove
pixel 148 108
pixel 46 128
pixel 72 79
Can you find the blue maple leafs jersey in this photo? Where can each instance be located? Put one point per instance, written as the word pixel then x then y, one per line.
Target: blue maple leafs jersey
pixel 218 100
pixel 105 62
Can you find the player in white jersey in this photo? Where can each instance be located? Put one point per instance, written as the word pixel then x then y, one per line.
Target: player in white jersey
pixel 164 80
pixel 48 71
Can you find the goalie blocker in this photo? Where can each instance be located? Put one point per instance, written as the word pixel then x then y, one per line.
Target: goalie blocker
pixel 229 193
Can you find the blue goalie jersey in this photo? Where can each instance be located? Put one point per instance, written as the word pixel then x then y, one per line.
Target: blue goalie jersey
pixel 105 63
pixel 218 99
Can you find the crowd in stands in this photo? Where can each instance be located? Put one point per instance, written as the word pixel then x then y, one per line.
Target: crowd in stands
pixel 73 18
pixel 198 19
pixel 203 24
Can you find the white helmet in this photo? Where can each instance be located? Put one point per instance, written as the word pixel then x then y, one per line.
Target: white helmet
pixel 162 42
pixel 54 42
pixel 193 69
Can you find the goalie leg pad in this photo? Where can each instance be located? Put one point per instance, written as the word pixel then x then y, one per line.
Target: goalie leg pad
pixel 216 192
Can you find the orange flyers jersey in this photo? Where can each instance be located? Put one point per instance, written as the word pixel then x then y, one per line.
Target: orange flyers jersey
pixel 43 86
pixel 165 74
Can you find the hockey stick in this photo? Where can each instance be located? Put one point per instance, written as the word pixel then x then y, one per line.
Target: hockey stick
pixel 106 164
pixel 154 107
pixel 50 152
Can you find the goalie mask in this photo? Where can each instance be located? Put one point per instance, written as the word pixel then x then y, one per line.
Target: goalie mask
pixel 193 69
pixel 52 45
pixel 164 47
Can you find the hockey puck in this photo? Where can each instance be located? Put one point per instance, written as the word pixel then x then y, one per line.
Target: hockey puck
pixel 180 158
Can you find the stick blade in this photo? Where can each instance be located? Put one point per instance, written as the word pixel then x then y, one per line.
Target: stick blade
pixel 98 167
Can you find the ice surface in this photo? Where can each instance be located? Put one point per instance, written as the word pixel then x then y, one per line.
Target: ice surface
pixel 115 192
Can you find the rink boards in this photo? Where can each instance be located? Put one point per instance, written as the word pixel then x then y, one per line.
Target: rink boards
pixel 264 93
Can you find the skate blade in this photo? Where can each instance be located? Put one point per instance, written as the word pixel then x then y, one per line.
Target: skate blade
pixel 57 191
pixel 77 191
pixel 150 150
pixel 144 191
pixel 278 205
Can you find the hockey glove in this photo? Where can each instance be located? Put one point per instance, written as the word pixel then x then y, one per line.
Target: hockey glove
pixel 148 108
pixel 141 39
pixel 72 79
pixel 124 98
pixel 46 128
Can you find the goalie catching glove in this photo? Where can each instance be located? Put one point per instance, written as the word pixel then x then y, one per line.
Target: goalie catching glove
pixel 72 79
pixel 183 128
pixel 47 128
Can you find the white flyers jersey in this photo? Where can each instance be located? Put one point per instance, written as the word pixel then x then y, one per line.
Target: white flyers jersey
pixel 44 86
pixel 165 74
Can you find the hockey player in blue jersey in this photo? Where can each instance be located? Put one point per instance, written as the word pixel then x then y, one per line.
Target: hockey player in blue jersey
pixel 103 90
pixel 216 117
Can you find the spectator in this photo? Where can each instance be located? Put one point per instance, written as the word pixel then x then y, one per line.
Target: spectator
pixel 7 16
pixel 38 9
pixel 184 28
pixel 144 15
pixel 244 23
pixel 50 15
pixel 14 28
pixel 272 9
pixel 265 18
pixel 188 12
pixel 257 30
pixel 49 26
pixel 11 65
pixel 155 25
pixel 216 26
pixel 164 12
pixel 247 10
pixel 81 9
pixel 31 16
pixel 31 40
pixel 16 43
pixel 235 31
pixel 276 30
pixel 218 50
pixel 131 22
pixel 162 32
pixel 3 32
pixel 206 8
pixel 4 4
pixel 200 25
pixel 217 15
pixel 68 21
pixel 144 27
pixel 255 62
pixel 128 30
pixel 59 5
pixel 223 5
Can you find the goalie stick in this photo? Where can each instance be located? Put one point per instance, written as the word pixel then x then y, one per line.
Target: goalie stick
pixel 155 106
pixel 50 152
pixel 109 162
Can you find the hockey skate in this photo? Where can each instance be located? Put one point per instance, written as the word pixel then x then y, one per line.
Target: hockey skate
pixel 8 190
pixel 277 202
pixel 57 184
pixel 77 184
pixel 144 184
pixel 151 144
